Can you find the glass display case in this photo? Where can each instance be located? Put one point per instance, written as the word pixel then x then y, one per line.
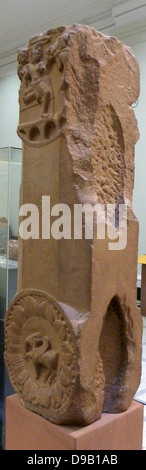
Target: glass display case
pixel 10 179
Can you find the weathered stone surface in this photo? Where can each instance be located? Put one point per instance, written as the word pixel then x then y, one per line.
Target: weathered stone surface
pixel 73 332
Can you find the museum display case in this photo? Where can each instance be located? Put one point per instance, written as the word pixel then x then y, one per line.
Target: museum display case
pixel 10 177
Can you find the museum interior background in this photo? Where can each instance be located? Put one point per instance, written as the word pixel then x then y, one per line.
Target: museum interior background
pixel 124 19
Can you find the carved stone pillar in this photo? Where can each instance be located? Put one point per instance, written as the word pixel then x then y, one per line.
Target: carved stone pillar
pixel 73 332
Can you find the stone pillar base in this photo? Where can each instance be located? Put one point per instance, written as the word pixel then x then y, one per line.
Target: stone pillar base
pixel 29 431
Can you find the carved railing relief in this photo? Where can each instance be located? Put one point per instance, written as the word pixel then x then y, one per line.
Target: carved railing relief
pixel 73 332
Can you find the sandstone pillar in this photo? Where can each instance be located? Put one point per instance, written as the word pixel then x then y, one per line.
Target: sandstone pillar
pixel 73 332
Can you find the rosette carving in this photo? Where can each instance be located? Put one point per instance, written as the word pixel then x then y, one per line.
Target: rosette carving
pixel 40 351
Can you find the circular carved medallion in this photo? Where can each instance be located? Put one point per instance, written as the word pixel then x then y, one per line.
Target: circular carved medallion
pixel 40 350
